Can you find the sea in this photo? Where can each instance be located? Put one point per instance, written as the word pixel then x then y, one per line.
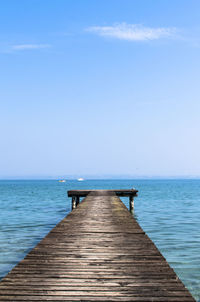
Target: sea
pixel 167 210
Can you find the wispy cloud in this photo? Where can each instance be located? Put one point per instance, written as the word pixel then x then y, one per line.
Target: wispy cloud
pixel 30 46
pixel 133 32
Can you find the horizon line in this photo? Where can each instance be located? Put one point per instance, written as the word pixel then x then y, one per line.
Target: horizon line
pixel 104 178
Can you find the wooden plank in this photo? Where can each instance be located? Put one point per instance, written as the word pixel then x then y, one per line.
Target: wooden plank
pixel 88 298
pixel 97 253
pixel 120 193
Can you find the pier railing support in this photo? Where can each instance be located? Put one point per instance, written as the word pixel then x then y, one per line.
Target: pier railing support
pixel 75 201
pixel 131 203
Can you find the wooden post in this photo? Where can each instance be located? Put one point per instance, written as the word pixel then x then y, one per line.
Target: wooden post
pixel 131 203
pixel 73 202
pixel 77 200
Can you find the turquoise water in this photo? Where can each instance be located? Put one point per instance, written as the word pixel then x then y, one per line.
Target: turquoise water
pixel 168 210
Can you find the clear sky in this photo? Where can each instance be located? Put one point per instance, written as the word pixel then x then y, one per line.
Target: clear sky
pixel 99 87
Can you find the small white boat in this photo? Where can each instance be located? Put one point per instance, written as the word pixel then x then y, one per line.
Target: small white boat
pixel 80 179
pixel 62 180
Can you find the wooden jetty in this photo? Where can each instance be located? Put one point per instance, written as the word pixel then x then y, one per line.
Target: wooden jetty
pixel 77 194
pixel 97 253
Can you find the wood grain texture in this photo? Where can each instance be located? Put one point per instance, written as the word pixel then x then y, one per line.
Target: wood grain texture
pixel 97 253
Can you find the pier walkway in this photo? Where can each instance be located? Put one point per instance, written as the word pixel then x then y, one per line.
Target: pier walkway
pixel 97 253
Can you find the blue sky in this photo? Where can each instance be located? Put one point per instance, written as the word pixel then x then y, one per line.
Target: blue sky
pixel 96 88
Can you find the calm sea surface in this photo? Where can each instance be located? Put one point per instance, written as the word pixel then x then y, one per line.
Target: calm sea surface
pixel 167 210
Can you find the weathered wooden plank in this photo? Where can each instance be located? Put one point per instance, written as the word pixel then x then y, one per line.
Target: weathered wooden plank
pixel 97 253
pixel 120 193
pixel 88 298
pixel 141 292
pixel 92 283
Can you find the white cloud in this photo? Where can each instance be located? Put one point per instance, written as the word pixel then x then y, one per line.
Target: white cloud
pixel 29 46
pixel 132 32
